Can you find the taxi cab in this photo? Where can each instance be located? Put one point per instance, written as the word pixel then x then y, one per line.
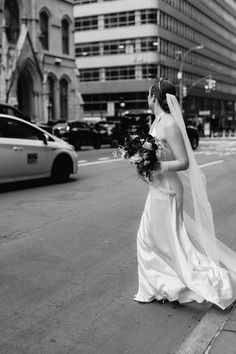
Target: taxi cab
pixel 29 152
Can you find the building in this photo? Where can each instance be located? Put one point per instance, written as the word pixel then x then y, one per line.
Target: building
pixel 121 45
pixel 38 71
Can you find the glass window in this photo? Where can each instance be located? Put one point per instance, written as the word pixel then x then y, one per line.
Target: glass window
pixel 65 36
pixel 119 19
pixel 89 74
pixel 12 18
pixel 44 21
pixel 87 49
pixel 148 16
pixel 64 99
pixel 18 130
pixel 86 23
pixel 51 99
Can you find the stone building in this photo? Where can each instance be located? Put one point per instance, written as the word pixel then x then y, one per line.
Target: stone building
pixel 37 64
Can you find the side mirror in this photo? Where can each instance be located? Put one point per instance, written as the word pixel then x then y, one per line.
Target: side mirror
pixel 45 139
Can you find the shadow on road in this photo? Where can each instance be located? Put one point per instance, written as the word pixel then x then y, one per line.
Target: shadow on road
pixel 37 183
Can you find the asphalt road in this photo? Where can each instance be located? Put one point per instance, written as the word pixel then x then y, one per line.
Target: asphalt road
pixel 68 268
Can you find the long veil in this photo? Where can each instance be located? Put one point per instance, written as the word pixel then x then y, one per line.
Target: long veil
pixel 198 216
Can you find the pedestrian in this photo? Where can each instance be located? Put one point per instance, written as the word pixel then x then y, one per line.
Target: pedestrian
pixel 179 257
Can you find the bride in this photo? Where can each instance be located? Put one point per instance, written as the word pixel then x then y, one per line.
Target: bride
pixel 179 257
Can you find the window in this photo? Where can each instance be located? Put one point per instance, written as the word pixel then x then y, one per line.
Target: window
pixel 119 19
pixel 86 23
pixel 16 130
pixel 148 16
pixel 149 71
pixel 149 44
pixel 120 73
pixel 65 33
pixel 89 74
pixel 51 99
pixel 87 49
pixel 11 13
pixel 44 21
pixel 119 46
pixel 64 99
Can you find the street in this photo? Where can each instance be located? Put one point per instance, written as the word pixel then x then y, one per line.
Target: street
pixel 68 259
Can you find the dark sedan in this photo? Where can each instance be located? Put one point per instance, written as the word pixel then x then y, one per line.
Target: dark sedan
pixel 78 134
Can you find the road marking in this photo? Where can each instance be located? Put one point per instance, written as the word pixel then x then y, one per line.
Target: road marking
pixel 98 162
pixel 81 161
pixel 211 163
pixel 104 158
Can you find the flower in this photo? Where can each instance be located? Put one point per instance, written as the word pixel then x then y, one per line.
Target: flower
pixel 143 151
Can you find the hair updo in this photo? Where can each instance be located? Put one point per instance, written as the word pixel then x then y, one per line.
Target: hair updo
pixel 159 90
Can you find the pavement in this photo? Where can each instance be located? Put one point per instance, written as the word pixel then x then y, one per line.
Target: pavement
pixel 215 333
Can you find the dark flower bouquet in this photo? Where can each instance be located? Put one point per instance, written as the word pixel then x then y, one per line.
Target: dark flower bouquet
pixel 143 151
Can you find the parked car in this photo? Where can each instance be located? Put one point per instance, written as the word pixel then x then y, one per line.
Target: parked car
pixel 29 152
pixel 6 108
pixel 78 133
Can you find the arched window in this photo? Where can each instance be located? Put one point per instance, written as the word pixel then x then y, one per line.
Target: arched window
pixel 65 33
pixel 12 18
pixel 64 99
pixel 43 22
pixel 51 99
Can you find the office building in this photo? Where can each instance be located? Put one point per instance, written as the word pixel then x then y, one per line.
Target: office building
pixel 122 45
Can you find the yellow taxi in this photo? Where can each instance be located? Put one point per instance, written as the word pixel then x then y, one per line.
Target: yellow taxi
pixel 29 152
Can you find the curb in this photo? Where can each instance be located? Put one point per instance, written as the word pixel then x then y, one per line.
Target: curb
pixel 203 335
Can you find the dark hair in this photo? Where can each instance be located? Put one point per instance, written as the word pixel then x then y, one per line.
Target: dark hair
pixel 159 89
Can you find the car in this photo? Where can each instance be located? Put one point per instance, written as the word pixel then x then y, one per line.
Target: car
pixel 29 152
pixel 78 133
pixel 107 130
pixel 6 108
pixel 193 136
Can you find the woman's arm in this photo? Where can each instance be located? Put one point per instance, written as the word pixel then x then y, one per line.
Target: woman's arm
pixel 175 141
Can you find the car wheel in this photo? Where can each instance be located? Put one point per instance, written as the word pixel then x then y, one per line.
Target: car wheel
pixel 61 169
pixel 194 143
pixel 77 145
pixel 97 144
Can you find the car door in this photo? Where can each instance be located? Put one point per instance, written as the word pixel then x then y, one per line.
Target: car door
pixel 30 153
pixel 6 154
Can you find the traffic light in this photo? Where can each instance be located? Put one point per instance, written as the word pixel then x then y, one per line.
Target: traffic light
pixel 185 91
pixel 210 84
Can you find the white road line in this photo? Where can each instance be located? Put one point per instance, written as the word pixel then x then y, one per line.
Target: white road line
pixel 98 162
pixel 81 161
pixel 103 158
pixel 211 163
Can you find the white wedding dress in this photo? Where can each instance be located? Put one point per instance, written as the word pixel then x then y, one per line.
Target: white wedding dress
pixel 170 264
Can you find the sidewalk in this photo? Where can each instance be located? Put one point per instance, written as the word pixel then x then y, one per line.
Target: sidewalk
pixel 225 339
pixel 215 333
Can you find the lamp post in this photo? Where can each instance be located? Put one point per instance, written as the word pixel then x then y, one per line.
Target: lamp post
pixel 180 73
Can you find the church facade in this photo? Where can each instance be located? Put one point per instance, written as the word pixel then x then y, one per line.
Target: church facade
pixel 37 65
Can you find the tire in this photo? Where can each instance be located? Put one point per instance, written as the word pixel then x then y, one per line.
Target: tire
pixel 61 169
pixel 194 143
pixel 77 145
pixel 97 144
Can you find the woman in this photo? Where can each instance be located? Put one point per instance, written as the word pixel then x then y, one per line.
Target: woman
pixel 179 258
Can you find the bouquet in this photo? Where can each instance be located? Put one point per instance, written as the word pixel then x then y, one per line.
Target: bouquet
pixel 143 151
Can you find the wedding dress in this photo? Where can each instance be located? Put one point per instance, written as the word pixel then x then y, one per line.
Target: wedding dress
pixel 176 258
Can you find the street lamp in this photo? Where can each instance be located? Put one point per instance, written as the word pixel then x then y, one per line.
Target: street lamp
pixel 180 73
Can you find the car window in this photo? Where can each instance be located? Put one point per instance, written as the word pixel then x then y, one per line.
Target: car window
pixel 18 130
